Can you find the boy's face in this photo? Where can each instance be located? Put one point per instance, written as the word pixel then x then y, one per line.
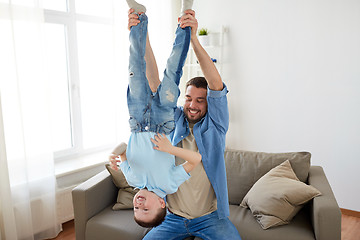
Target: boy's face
pixel 147 205
pixel 195 106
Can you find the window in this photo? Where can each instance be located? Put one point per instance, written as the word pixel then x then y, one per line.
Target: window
pixel 80 60
pixel 57 5
pixel 85 52
pixel 56 66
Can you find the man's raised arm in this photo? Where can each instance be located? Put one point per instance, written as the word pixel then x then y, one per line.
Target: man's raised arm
pixel 208 68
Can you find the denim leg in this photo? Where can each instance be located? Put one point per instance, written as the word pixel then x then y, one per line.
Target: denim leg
pixel 174 66
pixel 165 100
pixel 210 227
pixel 139 92
pixel 172 228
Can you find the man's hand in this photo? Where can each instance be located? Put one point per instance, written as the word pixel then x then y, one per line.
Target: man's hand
pixel 189 20
pixel 162 143
pixel 133 18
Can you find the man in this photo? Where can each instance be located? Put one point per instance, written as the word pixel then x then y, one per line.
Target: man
pixel 200 207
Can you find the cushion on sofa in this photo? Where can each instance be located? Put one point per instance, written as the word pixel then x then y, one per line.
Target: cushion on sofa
pixel 300 228
pixel 244 168
pixel 114 225
pixel 278 196
pixel 125 193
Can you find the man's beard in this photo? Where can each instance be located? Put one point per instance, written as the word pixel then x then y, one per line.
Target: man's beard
pixel 193 121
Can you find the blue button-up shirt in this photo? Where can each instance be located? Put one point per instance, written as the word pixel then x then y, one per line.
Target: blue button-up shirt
pixel 209 135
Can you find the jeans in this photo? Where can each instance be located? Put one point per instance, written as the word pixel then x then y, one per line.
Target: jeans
pixel 154 112
pixel 208 227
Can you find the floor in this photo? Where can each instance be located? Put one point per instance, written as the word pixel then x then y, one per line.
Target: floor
pixel 68 232
pixel 350 227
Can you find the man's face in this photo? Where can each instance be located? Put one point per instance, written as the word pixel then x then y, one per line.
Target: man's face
pixel 195 106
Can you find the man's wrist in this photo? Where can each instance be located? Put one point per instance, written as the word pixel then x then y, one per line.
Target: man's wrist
pixel 194 40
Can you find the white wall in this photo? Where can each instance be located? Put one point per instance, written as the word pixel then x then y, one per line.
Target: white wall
pixel 161 29
pixel 293 71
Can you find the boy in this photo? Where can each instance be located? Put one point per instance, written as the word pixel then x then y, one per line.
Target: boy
pixel 151 107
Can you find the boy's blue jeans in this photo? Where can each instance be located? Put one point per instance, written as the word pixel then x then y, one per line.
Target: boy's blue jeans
pixel 154 112
pixel 208 227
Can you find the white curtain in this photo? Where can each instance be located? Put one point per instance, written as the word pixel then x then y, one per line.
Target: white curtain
pixel 27 176
pixel 28 183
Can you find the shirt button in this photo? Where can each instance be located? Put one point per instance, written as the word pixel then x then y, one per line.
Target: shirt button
pixel 182 136
pixel 147 128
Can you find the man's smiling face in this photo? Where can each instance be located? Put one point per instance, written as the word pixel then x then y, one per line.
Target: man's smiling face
pixel 195 106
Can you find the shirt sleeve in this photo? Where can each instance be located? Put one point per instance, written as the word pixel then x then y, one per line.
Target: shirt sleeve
pixel 217 94
pixel 130 177
pixel 125 168
pixel 178 176
pixel 218 109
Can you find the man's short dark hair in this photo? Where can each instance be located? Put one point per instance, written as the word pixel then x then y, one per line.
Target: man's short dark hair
pixel 199 82
pixel 159 218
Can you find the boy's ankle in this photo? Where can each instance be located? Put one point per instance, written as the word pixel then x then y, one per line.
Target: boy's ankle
pixel 186 5
pixel 138 8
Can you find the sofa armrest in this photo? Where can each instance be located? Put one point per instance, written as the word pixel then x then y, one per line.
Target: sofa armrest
pixel 325 212
pixel 90 197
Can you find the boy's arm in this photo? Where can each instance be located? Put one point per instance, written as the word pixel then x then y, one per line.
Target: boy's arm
pixel 208 68
pixel 163 144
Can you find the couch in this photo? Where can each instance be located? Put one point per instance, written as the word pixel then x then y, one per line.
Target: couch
pixel 319 218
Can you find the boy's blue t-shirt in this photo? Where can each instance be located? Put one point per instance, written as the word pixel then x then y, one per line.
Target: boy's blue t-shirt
pixel 150 168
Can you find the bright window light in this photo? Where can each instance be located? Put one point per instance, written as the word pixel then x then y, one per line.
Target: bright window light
pixel 58 5
pixel 57 74
pixel 21 2
pixel 102 8
pixel 98 96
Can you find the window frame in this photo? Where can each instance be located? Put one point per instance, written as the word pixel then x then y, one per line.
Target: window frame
pixel 69 20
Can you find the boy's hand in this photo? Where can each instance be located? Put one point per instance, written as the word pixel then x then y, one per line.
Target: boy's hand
pixel 133 18
pixel 113 161
pixel 162 143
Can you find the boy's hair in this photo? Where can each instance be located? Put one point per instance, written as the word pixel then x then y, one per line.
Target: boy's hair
pixel 199 82
pixel 159 218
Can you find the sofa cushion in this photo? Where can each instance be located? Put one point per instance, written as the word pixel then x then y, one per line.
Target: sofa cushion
pixel 244 168
pixel 278 196
pixel 114 225
pixel 300 227
pixel 126 193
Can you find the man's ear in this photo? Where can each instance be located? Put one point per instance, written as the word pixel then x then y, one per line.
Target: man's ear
pixel 162 203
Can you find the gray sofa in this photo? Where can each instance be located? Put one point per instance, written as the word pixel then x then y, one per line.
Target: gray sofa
pixel 318 219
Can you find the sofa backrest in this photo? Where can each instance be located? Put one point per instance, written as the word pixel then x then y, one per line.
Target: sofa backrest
pixel 244 168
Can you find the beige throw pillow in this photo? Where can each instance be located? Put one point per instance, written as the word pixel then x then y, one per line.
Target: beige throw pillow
pixel 278 196
pixel 244 168
pixel 126 193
